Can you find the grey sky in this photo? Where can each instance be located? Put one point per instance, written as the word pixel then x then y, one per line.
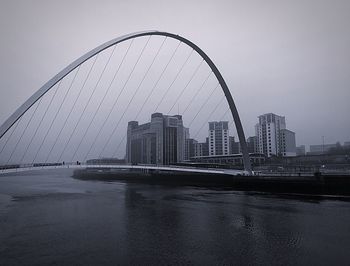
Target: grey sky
pixel 291 58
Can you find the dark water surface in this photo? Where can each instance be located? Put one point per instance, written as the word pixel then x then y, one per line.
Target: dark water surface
pixel 51 218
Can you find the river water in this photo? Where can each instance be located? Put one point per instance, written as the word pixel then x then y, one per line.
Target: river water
pixel 48 217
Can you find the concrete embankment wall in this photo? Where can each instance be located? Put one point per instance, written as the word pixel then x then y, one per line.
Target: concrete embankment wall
pixel 318 185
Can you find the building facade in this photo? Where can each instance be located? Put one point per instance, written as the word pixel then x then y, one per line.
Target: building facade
pixel 231 160
pixel 161 141
pixel 321 149
pixel 201 148
pixel 301 150
pixel 218 138
pixel 288 146
pixel 252 144
pixel 190 147
pixel 272 137
pixel 234 147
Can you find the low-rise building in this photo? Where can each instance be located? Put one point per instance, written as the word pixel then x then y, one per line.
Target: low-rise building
pixel 232 160
pixel 300 150
pixel 190 147
pixel 288 146
pixel 252 143
pixel 235 147
pixel 321 148
pixel 201 148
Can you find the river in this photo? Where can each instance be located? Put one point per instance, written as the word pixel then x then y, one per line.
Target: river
pixel 49 217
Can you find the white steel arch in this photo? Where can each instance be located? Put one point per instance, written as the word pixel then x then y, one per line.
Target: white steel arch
pixel 48 85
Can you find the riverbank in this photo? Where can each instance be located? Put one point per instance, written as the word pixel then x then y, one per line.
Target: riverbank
pixel 312 185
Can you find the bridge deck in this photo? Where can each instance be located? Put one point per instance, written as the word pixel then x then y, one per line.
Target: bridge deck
pixel 126 166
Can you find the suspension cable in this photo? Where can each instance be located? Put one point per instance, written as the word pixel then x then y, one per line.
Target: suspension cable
pixel 136 117
pixel 222 117
pixel 138 87
pixel 197 92
pixel 41 120
pixel 13 130
pixel 71 109
pixel 211 113
pixel 25 129
pixel 122 140
pixel 231 122
pixel 230 119
pixel 206 101
pixel 117 149
pixel 159 78
pixel 99 106
pixel 133 96
pixel 114 103
pixel 77 123
pixel 57 112
pixel 183 90
pixel 172 83
pixel 126 82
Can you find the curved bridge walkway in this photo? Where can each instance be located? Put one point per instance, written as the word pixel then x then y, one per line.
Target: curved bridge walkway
pixel 171 168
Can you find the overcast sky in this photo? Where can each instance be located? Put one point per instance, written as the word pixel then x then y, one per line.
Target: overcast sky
pixel 291 58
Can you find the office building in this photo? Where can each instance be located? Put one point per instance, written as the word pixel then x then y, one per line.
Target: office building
pixel 161 141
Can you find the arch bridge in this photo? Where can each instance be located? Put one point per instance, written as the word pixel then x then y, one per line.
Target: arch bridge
pixel 11 126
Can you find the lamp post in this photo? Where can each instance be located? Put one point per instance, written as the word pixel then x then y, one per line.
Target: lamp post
pixel 322 144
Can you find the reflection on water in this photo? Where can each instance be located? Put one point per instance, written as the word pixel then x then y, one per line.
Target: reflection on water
pixel 49 217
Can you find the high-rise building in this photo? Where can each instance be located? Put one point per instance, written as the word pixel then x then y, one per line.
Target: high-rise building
pixel 161 141
pixel 273 139
pixel 218 138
